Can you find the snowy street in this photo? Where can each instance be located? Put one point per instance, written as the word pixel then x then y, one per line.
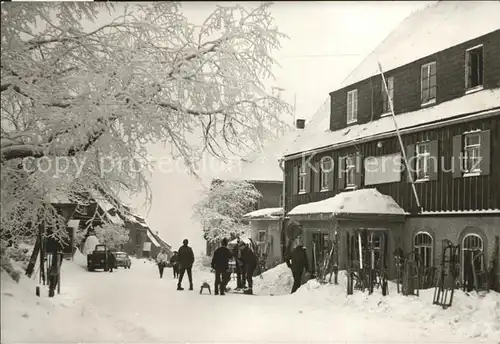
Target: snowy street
pixel 137 306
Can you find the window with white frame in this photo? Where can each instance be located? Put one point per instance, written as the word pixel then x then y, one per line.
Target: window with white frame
pixel 386 108
pixel 428 83
pixel 472 152
pixel 261 236
pixel 350 170
pixel 422 154
pixel 302 178
pixel 423 245
pixel 352 106
pixel 326 168
pixel 474 67
pixel 472 244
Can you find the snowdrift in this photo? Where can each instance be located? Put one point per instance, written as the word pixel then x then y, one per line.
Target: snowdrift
pixel 275 281
pixel 476 316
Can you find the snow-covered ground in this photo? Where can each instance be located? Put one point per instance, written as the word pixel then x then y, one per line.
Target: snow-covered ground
pixel 132 306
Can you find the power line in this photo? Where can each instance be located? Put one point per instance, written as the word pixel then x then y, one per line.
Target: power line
pixel 317 55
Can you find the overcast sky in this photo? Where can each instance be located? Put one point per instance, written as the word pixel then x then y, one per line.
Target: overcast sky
pixel 326 41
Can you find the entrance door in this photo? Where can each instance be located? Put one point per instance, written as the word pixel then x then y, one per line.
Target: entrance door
pixel 321 246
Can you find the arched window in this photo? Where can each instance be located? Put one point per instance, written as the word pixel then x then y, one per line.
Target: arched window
pixel 423 245
pixel 471 245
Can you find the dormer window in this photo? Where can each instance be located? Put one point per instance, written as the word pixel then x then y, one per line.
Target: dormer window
pixel 428 83
pixel 352 106
pixel 81 209
pixel 474 69
pixel 386 108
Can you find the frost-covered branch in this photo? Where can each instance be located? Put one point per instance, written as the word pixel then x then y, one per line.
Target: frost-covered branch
pixel 222 208
pixel 97 94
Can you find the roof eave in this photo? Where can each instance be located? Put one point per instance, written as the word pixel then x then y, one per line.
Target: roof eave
pixel 426 126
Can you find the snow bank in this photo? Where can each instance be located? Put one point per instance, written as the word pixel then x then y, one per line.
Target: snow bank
pixel 90 243
pixel 475 316
pixel 79 258
pixel 275 281
pixel 27 318
pixel 359 201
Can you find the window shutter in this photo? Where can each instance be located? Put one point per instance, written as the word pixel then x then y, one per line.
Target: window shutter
pixel 308 178
pixel 410 157
pixel 295 180
pixel 341 170
pixel 317 177
pixel 358 172
pixel 485 163
pixel 331 177
pixel 433 160
pixel 457 154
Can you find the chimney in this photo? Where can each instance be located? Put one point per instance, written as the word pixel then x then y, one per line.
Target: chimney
pixel 300 123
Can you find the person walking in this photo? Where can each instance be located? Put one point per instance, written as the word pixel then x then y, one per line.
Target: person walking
pixel 220 263
pixel 161 261
pixel 174 261
pixel 297 261
pixel 185 260
pixel 249 260
pixel 111 261
pixel 240 276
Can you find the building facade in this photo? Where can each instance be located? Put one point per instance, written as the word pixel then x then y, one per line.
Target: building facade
pixel 443 169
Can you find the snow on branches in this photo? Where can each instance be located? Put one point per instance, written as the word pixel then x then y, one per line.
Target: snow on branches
pixel 112 235
pixel 222 207
pixel 85 86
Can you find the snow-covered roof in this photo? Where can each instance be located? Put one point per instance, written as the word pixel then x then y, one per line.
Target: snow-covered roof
pixel 106 207
pixel 265 213
pixel 432 29
pixel 321 136
pixel 152 238
pixel 262 165
pixel 319 122
pixel 59 197
pixel 363 201
pixel 73 223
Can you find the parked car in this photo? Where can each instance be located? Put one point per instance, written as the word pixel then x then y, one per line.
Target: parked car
pixel 97 259
pixel 122 260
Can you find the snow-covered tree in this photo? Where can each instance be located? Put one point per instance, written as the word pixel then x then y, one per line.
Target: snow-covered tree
pixel 222 207
pixel 85 86
pixel 112 235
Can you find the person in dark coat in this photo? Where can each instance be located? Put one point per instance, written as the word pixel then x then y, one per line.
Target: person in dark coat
pixel 249 260
pixel 111 261
pixel 174 261
pixel 297 261
pixel 185 260
pixel 220 263
pixel 240 275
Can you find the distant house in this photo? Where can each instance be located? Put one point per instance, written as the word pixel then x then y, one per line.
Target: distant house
pixel 143 241
pixel 266 229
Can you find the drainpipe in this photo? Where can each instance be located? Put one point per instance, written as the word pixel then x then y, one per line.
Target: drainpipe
pixel 283 244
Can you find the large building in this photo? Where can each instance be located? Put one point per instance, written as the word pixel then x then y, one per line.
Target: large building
pixel 347 170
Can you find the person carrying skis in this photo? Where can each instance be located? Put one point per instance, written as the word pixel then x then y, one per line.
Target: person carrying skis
pixel 174 261
pixel 161 261
pixel 220 263
pixel 249 260
pixel 186 260
pixel 297 262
